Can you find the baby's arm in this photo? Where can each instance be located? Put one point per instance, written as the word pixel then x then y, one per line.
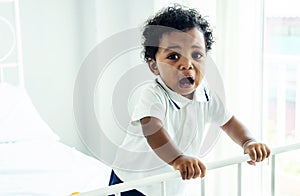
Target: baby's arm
pixel 239 133
pixel 164 147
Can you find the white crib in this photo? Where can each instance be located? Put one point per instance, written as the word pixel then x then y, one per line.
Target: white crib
pixel 162 178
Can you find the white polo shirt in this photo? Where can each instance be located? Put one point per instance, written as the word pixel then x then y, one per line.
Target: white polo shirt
pixel 186 122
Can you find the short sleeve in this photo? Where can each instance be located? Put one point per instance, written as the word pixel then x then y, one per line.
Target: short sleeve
pixel 150 102
pixel 218 112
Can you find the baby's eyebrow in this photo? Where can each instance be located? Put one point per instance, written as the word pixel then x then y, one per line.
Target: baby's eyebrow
pixel 172 47
pixel 198 46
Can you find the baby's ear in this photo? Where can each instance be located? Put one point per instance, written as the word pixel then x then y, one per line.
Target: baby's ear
pixel 153 67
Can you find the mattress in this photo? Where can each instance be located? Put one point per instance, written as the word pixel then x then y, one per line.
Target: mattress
pixel 48 168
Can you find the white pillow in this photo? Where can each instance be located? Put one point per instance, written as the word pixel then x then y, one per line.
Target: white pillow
pixel 19 120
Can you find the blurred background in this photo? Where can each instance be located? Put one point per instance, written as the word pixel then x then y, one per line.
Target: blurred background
pixel 257 51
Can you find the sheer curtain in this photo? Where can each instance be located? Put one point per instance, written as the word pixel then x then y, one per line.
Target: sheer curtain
pixel 239 48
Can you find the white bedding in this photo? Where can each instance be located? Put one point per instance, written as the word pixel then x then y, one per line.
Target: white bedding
pixel 32 160
pixel 48 168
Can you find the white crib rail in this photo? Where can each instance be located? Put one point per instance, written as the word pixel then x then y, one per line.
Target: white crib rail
pixel 118 188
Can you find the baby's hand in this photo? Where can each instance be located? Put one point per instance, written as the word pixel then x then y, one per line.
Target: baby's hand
pixel 257 152
pixel 189 167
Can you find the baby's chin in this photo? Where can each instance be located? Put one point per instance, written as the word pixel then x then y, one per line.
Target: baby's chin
pixel 187 93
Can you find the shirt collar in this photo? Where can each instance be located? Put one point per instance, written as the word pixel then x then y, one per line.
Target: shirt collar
pixel 178 101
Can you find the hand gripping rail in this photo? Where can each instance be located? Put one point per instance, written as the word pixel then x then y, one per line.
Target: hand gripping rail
pixel 162 178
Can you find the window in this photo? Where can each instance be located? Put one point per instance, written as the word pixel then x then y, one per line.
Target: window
pixel 281 89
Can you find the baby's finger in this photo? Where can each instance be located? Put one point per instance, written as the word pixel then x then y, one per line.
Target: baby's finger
pixel 183 171
pixel 197 171
pixel 203 169
pixel 252 154
pixel 265 152
pixel 259 153
pixel 251 162
pixel 190 172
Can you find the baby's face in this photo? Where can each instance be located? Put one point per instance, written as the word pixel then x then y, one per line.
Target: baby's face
pixel 180 59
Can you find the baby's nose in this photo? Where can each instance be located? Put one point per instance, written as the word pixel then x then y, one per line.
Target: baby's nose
pixel 185 64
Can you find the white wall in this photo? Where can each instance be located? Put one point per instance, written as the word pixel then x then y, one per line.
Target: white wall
pixel 52 55
pixel 57 36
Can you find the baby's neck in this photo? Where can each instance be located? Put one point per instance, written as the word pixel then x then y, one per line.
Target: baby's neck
pixel 189 96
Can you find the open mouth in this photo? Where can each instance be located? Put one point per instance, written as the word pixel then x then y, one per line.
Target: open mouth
pixel 186 82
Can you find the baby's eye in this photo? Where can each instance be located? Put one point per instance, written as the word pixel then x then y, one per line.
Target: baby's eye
pixel 173 56
pixel 196 55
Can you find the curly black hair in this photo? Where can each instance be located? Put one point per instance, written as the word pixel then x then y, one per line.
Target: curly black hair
pixel 173 17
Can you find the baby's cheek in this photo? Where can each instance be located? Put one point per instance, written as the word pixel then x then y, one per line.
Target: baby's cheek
pixel 199 77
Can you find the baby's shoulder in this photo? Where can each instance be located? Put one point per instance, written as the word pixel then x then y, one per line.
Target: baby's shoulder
pixel 150 91
pixel 151 87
